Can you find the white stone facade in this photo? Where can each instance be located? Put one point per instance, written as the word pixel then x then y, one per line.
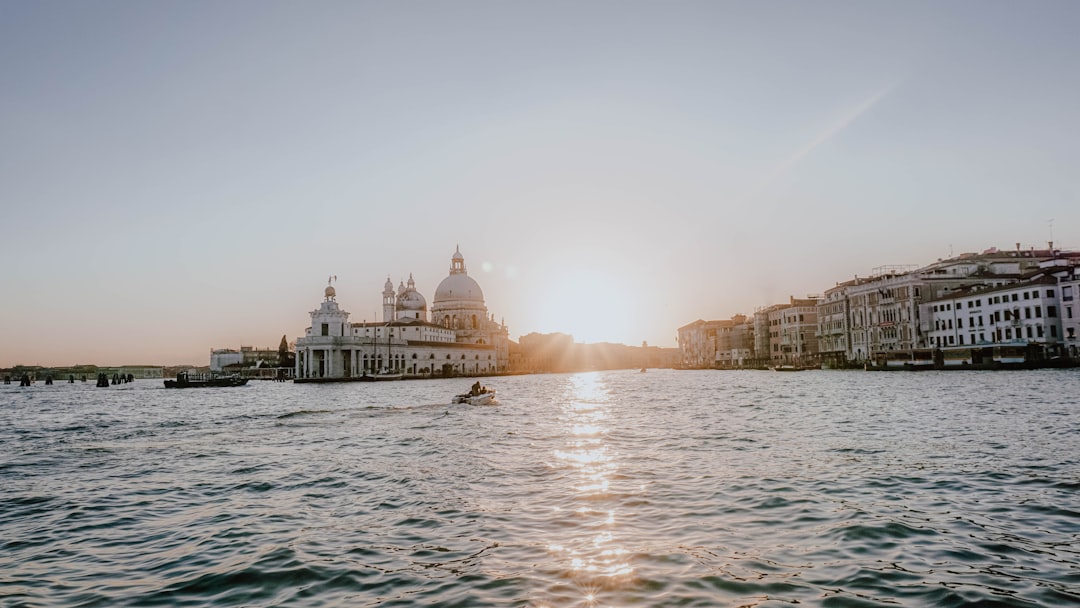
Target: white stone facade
pixel 464 340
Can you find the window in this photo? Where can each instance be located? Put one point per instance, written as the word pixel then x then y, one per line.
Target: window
pixel 1008 333
pixel 1049 293
pixel 1053 331
pixel 1038 312
pixel 959 324
pixel 326 329
pixel 1027 296
pixel 1051 311
pixel 961 340
pixel 1029 332
pixel 1027 312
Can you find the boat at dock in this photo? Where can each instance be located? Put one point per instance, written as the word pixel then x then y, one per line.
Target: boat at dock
pixel 382 375
pixel 187 380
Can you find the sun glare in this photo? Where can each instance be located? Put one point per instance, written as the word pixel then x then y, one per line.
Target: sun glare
pixel 591 305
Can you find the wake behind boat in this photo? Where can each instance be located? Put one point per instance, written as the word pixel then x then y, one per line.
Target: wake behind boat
pixel 186 380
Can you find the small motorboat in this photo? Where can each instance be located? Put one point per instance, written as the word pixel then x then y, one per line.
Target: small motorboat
pixel 487 397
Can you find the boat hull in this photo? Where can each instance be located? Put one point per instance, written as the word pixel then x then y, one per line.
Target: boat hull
pixel 212 383
pixel 487 398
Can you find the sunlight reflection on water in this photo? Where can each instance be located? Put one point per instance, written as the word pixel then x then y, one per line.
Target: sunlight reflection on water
pixel 595 560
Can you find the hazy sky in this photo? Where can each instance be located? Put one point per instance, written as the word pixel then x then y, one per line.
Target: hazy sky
pixel 179 176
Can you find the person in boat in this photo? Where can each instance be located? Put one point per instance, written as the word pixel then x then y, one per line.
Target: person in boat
pixel 476 389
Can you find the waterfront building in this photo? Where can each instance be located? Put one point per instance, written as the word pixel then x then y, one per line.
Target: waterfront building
pixel 697 344
pixel 1026 315
pixel 763 335
pixel 884 309
pixel 793 327
pixel 734 342
pixel 461 338
pixel 724 343
pixel 1070 321
pixel 834 326
pixel 885 317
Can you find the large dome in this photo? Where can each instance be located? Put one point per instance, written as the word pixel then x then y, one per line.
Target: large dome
pixel 458 287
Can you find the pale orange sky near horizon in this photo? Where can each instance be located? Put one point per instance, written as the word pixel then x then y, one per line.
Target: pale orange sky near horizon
pixel 182 176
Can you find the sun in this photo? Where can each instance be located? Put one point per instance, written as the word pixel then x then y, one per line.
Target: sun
pixel 591 305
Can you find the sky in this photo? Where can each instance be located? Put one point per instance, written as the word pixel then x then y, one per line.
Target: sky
pixel 177 176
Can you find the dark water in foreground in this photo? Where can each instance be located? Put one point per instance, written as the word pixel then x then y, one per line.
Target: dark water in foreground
pixel 606 489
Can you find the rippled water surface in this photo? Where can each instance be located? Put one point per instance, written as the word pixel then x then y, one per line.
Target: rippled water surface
pixel 665 488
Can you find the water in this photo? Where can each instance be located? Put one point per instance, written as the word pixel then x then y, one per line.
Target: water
pixel 603 489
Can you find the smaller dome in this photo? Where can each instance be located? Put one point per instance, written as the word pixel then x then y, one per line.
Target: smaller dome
pixel 329 291
pixel 411 300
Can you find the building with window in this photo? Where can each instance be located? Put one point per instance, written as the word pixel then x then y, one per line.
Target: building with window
pixel 1022 313
pixel 884 309
pixel 697 344
pixel 834 329
pixel 794 328
pixel 1069 283
pixel 735 343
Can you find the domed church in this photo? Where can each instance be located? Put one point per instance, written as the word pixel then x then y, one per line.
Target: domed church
pixel 461 337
